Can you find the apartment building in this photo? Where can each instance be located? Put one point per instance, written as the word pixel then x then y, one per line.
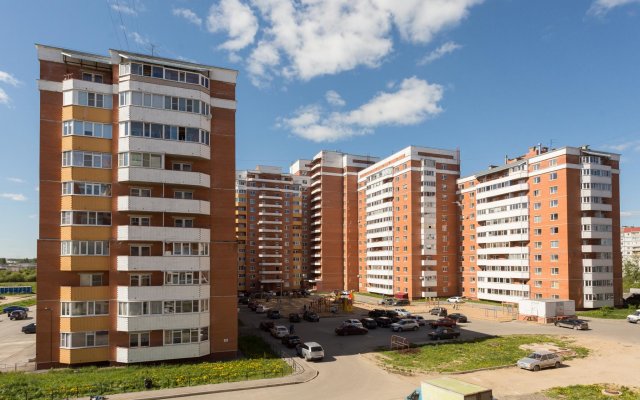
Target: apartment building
pixel 543 225
pixel 630 241
pixel 273 232
pixel 137 249
pixel 407 220
pixel 333 231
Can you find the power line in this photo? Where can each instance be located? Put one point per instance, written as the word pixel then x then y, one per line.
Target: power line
pixel 113 24
pixel 124 28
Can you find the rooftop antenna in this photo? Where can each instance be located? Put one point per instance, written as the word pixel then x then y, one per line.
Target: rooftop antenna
pixel 152 46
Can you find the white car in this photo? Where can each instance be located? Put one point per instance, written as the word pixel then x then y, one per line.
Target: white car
pixel 405 325
pixel 455 299
pixel 310 351
pixel 355 322
pixel 261 309
pixel 634 318
pixel 279 331
pixel 402 312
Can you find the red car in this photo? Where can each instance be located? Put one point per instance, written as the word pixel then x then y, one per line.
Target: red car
pixel 447 322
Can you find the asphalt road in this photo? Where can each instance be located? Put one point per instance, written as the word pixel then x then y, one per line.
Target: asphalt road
pixel 15 346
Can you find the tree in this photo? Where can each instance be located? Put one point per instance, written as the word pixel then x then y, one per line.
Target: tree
pixel 3 260
pixel 631 273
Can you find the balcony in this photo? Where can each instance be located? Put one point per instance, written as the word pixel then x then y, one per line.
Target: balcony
pixel 163 263
pixel 504 262
pixel 161 204
pixel 265 238
pixel 150 175
pixel 162 321
pixel 501 297
pixel 82 293
pixel 163 234
pixel 85 263
pixel 174 147
pixel 429 294
pixel 429 263
pixel 592 248
pixel 596 207
pixel 596 235
pixel 270 272
pixel 429 274
pixel 598 303
pixel 263 222
pixel 270 247
pixel 268 197
pixel 269 214
pixel 504 274
pixel 269 280
pixel 590 262
pixel 166 292
pixel 270 205
pixel 504 286
pixel 84 355
pixel 267 255
pixel 270 264
pixel 158 353
pixel 270 230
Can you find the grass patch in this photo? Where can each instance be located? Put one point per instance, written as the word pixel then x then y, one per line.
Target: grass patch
pixel 24 303
pixel 608 313
pixel 471 355
pixel 376 295
pixel 255 347
pixel 63 383
pixel 591 392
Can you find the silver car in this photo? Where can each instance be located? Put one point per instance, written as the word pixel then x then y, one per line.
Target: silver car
pixel 405 325
pixel 540 359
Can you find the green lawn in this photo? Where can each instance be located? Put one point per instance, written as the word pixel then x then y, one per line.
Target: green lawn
pixel 63 383
pixel 466 356
pixel 24 303
pixel 590 392
pixel 607 313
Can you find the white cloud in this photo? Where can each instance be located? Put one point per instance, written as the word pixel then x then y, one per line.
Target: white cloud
pixel 630 214
pixel 440 52
pixel 33 216
pixel 16 180
pixel 188 15
pixel 310 38
pixel 334 98
pixel 8 78
pixel 414 101
pixel 237 20
pixel 4 97
pixel 123 8
pixel 37 188
pixel 601 7
pixel 628 145
pixel 13 196
pixel 139 39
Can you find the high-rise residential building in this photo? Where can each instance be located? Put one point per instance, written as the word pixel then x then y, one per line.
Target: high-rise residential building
pixel 137 249
pixel 273 230
pixel 544 225
pixel 407 220
pixel 333 217
pixel 630 241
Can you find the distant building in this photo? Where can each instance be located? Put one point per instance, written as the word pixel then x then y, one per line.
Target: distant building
pixel 630 241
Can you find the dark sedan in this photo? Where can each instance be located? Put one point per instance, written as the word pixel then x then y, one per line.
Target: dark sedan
pixel 349 329
pixel 458 317
pixel 291 340
pixel 377 313
pixel 31 328
pixel 10 309
pixel 369 323
pixel 294 317
pixel 266 325
pixel 577 324
pixel 311 316
pixel 383 322
pixel 444 333
pixel 446 322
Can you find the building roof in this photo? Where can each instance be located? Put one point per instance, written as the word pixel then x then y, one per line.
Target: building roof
pixel 630 229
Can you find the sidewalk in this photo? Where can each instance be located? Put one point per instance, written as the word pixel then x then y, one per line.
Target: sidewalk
pixel 308 374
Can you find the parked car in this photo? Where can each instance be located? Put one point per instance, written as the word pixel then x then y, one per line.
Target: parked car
pixel 369 323
pixel 401 302
pixel 377 313
pixel 279 331
pixel 573 323
pixel 10 309
pixel 294 317
pixel 455 299
pixel 350 329
pixel 634 318
pixel 261 309
pixel 442 333
pixel 633 300
pixel 386 301
pixel 383 322
pixel 17 315
pixel 252 305
pixel 458 317
pixel 267 325
pixel 310 351
pixel 439 311
pixel 448 322
pixel 273 314
pixel 31 328
pixel 311 316
pixel 419 319
pixel 291 340
pixel 391 313
pixel 405 325
pixel 402 312
pixel 540 359
pixel 243 300
pixel 355 322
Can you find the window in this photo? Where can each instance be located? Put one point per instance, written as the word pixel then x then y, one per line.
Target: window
pixel 140 280
pixel 537 257
pixel 140 221
pixel 190 249
pixel 537 206
pixel 537 219
pixel 84 308
pixel 85 218
pixel 555 271
pixel 76 158
pixel 536 193
pixel 84 339
pixel 145 160
pixel 553 203
pixel 183 222
pixel 183 194
pixel 553 176
pixel 554 217
pixel 84 128
pixel 537 232
pixel 553 162
pixel 553 190
pixel 136 98
pixel 84 248
pixel 159 72
pixel 537 245
pixel 138 339
pixel 90 279
pixel 87 99
pixel 554 257
pixel 181 336
pixel 86 189
pixel 554 230
pixel 536 179
pixel 537 284
pixel 140 192
pixel 139 250
pixel 537 271
pixel 181 166
pixel 91 77
pixel 137 308
pixel 554 244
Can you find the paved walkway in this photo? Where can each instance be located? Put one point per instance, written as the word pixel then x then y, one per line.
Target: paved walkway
pixel 307 374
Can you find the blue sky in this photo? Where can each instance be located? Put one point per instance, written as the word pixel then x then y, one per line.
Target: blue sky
pixel 365 76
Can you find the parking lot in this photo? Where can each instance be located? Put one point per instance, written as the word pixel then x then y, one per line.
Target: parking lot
pixel 15 346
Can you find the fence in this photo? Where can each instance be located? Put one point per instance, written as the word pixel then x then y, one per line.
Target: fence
pixel 18 367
